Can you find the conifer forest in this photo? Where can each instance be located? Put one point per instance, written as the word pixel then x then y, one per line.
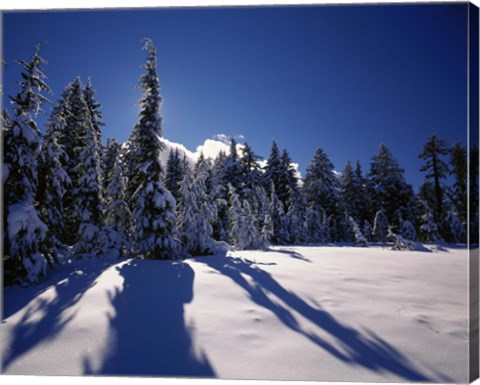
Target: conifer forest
pixel 67 194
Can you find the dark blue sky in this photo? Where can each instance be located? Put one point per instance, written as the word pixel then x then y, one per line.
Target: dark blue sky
pixel 343 78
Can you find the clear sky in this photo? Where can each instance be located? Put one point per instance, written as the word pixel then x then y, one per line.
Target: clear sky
pixel 343 78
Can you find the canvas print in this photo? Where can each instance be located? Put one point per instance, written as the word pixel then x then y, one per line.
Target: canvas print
pixel 273 193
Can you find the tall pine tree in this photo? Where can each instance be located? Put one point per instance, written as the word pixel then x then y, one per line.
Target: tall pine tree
pixel 24 247
pixel 436 170
pixel 153 205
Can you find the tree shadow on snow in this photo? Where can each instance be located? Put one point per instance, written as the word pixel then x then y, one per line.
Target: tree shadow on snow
pixel 291 253
pixel 148 334
pixel 45 316
pixel 351 346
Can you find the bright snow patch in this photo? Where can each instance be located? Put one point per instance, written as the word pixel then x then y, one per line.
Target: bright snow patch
pixel 304 313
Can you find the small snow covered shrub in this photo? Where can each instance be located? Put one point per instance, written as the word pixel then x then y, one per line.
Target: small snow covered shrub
pixel 400 243
pixel 359 237
pixel 429 229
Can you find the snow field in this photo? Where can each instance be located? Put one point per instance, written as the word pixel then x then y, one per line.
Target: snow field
pixel 291 313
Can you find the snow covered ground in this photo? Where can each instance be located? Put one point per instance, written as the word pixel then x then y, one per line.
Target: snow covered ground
pixel 304 313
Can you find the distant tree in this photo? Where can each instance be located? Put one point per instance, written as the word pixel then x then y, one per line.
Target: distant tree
pixel 474 214
pixel 295 217
pixel 314 226
pixel 288 183
pixel 24 247
pixel 111 154
pixel 351 192
pixel 272 169
pixel 459 170
pixel 232 169
pixel 365 203
pixel 452 228
pixel 388 189
pixel 250 170
pixel 429 229
pixel 367 230
pixel 436 170
pixel 380 227
pixel 195 215
pixel 243 233
pixel 321 186
pixel 267 233
pixel 407 230
pixel 276 213
pixel 175 173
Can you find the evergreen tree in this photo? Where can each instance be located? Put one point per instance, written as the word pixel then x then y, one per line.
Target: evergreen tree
pixel 243 233
pixel 459 170
pixel 219 195
pixel 174 173
pixel 154 207
pixel 53 182
pixel 426 195
pixel 118 218
pixel 365 202
pixel 367 230
pixel 295 217
pixel 24 249
pixel 110 155
pixel 231 172
pixel 195 215
pixel 380 227
pixel 407 230
pixel 314 226
pixel 288 183
pixel 250 170
pixel 321 186
pixel 436 170
pixel 259 203
pixel 250 238
pixel 341 229
pixel 87 203
pixel 452 229
pixel 276 213
pixel 388 188
pixel 473 197
pixel 94 113
pixel 234 216
pixel 267 233
pixel 78 140
pixel 272 169
pixel 352 192
pixel 429 229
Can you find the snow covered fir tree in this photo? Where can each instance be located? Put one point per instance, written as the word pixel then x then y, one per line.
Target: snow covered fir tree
pixel 68 195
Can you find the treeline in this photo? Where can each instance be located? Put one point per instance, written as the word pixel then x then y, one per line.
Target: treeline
pixel 65 194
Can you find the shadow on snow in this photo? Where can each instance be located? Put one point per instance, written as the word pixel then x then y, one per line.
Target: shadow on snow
pixel 148 335
pixel 352 347
pixel 69 284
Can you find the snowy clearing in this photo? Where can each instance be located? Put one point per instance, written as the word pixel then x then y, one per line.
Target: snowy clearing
pixel 303 313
